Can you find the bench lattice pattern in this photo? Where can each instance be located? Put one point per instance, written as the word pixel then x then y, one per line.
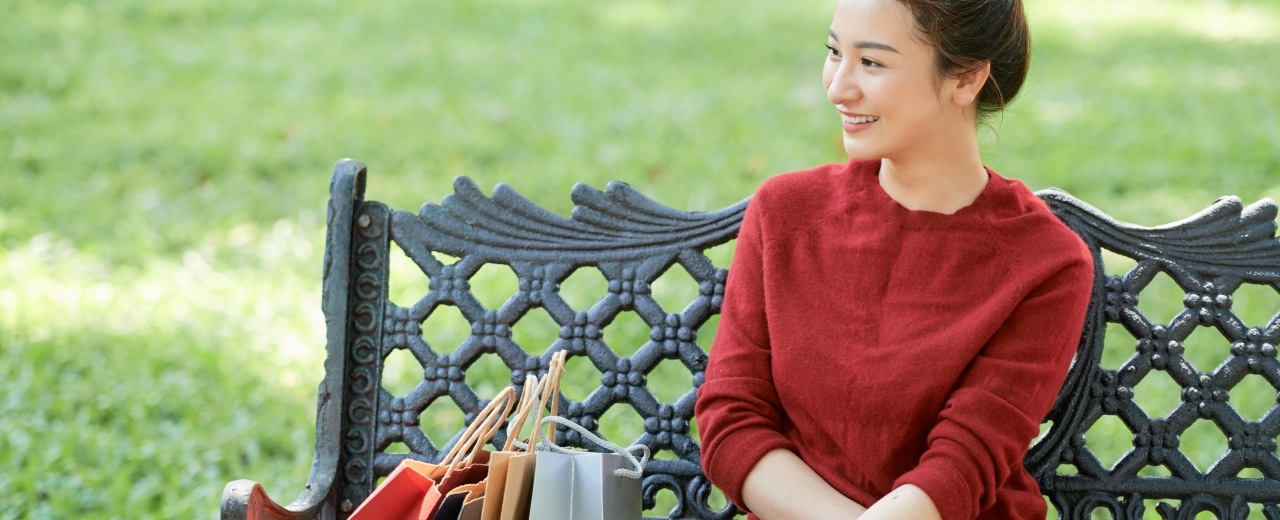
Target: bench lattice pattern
pixel 1209 256
pixel 632 241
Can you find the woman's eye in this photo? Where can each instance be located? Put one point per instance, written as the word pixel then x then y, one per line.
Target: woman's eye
pixel 831 51
pixel 869 63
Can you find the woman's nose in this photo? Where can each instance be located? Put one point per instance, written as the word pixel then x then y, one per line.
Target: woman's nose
pixel 843 87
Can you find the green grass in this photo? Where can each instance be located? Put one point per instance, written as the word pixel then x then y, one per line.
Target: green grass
pixel 166 165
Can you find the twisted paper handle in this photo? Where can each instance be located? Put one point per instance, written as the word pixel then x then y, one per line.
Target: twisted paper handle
pixel 528 399
pixel 482 428
pixel 548 396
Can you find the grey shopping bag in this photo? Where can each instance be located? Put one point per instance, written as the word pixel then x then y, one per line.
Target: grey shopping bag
pixel 580 485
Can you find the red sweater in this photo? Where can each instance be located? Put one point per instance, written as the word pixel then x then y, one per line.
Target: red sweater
pixel 886 346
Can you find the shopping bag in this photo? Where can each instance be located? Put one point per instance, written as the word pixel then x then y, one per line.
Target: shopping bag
pixel 491 503
pixel 457 487
pixel 473 502
pixel 404 495
pixel 511 469
pixel 466 502
pixel 468 478
pixel 415 489
pixel 454 504
pixel 580 485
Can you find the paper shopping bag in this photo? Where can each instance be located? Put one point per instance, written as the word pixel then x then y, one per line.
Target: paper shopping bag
pixel 511 469
pixel 516 490
pixel 583 486
pixel 467 483
pixel 454 504
pixel 579 485
pixel 490 504
pixel 412 491
pixel 473 503
pixel 408 493
pixel 415 489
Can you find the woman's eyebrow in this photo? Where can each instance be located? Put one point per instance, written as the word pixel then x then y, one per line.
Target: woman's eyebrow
pixel 864 44
pixel 874 45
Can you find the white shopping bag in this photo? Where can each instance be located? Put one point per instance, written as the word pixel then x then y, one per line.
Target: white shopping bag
pixel 581 485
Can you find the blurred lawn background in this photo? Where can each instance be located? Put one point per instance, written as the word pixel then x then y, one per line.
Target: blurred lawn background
pixel 165 170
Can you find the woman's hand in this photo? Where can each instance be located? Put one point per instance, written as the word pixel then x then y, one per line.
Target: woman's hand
pixel 907 501
pixel 783 487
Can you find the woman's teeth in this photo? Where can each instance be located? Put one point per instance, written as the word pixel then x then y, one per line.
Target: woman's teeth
pixel 861 119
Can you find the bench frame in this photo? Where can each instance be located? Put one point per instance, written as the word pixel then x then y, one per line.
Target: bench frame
pixel 632 240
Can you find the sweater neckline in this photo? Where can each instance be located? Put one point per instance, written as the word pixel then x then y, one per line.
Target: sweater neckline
pixel 867 174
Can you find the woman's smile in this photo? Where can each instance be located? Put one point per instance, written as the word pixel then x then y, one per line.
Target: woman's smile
pixel 856 122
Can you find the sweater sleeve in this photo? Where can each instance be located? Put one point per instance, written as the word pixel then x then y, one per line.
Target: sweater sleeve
pixel 739 414
pixel 994 412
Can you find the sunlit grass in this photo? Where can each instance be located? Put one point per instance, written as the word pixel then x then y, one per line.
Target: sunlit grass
pixel 136 392
pixel 1218 20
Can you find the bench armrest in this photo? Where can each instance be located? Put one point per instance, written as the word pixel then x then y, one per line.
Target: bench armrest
pixel 246 500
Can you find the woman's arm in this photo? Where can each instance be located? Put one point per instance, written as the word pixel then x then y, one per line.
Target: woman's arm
pixel 994 412
pixel 906 501
pixel 740 416
pixel 783 487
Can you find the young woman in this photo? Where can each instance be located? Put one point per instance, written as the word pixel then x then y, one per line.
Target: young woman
pixel 895 328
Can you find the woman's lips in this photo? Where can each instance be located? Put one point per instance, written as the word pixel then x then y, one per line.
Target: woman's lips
pixel 857 123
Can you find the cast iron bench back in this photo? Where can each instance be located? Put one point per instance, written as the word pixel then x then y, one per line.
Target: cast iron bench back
pixel 632 240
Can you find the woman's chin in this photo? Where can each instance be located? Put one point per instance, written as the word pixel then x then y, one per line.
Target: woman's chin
pixel 859 152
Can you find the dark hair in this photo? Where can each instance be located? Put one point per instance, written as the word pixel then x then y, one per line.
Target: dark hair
pixel 967 33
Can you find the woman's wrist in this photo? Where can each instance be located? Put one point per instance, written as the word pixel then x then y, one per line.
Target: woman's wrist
pixel 772 486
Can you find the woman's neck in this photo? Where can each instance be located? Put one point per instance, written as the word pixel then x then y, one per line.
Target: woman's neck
pixel 942 183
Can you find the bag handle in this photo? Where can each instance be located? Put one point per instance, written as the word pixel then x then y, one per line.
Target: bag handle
pixel 492 427
pixel 548 391
pixel 481 429
pixel 482 424
pixel 528 397
pixel 551 393
pixel 598 441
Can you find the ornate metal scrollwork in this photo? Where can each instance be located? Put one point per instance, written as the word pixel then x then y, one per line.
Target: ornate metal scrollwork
pixel 632 240
pixel 1209 255
pixel 629 239
pixel 369 267
pixel 615 225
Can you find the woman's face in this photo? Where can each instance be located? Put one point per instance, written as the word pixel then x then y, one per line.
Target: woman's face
pixel 882 79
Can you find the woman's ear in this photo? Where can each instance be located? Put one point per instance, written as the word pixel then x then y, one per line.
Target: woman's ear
pixel 967 86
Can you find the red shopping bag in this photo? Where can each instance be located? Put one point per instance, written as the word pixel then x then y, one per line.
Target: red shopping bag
pixel 415 489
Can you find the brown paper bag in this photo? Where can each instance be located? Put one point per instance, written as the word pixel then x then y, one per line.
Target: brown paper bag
pixel 512 468
pixel 469 474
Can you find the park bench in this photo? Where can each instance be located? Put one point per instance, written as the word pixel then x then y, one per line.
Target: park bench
pixel 1125 357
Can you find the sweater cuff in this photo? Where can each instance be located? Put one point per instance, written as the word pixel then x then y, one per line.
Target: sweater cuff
pixel 946 487
pixel 735 459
